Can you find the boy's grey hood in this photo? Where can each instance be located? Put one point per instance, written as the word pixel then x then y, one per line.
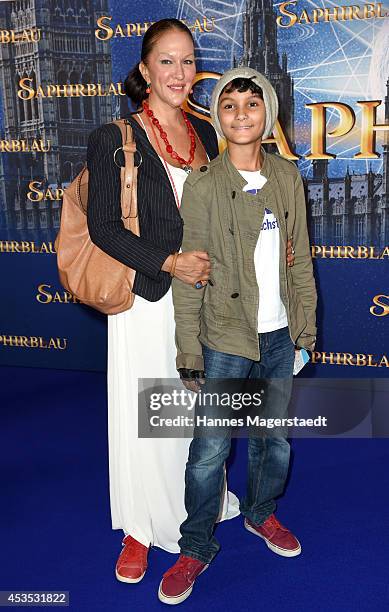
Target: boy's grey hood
pixel 269 97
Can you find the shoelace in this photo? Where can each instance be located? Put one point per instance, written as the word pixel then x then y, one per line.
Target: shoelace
pixel 184 565
pixel 133 546
pixel 273 522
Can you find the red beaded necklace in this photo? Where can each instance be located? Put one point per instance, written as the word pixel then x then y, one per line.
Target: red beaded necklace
pixel 173 154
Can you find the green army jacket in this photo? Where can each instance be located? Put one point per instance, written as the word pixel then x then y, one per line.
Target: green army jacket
pixel 225 221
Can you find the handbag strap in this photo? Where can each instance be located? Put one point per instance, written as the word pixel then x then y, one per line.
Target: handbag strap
pixel 128 172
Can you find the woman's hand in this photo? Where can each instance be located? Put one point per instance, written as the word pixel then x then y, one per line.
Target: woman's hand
pixel 289 253
pixel 191 267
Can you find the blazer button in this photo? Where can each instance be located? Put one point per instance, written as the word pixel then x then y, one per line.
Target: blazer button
pixel 210 282
pixel 203 168
pixel 235 295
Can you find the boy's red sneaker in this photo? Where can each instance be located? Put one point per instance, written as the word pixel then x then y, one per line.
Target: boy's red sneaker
pixel 132 562
pixel 177 583
pixel 278 538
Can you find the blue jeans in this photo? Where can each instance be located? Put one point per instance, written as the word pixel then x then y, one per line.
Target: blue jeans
pixel 268 457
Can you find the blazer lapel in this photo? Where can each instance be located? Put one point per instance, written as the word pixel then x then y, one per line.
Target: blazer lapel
pixel 151 154
pixel 203 135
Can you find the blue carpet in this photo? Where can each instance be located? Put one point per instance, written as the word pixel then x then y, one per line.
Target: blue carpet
pixel 56 533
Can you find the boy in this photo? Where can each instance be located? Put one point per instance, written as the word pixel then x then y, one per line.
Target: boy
pixel 247 321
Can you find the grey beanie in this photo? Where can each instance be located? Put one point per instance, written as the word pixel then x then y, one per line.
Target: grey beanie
pixel 269 96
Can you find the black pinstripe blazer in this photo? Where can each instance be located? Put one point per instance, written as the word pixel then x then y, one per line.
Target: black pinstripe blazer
pixel 160 222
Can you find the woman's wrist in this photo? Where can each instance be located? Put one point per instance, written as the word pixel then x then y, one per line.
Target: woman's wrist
pixel 173 265
pixel 169 264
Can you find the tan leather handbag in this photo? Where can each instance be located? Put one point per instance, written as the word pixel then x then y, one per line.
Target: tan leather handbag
pixel 95 278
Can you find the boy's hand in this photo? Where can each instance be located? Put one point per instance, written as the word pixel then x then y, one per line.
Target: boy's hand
pixel 192 267
pixel 290 253
pixel 192 379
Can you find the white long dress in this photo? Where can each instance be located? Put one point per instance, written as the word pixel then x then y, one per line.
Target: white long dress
pixel 146 474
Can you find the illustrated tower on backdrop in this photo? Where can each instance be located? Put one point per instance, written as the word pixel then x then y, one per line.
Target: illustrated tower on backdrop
pixel 260 53
pixel 67 51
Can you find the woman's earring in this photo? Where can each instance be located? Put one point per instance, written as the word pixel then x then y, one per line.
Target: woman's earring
pixel 148 88
pixel 191 91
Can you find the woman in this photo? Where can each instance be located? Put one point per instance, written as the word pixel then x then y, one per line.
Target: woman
pixel 147 475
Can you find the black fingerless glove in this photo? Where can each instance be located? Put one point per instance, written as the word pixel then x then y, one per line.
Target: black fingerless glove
pixel 189 374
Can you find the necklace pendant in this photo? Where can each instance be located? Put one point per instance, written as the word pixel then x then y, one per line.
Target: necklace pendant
pixel 188 169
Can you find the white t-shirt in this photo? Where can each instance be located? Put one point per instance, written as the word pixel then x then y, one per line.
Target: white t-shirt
pixel 271 313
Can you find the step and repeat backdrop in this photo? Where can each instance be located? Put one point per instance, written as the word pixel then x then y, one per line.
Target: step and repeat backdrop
pixel 62 68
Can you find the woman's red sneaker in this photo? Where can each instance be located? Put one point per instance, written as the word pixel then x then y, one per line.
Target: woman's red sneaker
pixel 132 562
